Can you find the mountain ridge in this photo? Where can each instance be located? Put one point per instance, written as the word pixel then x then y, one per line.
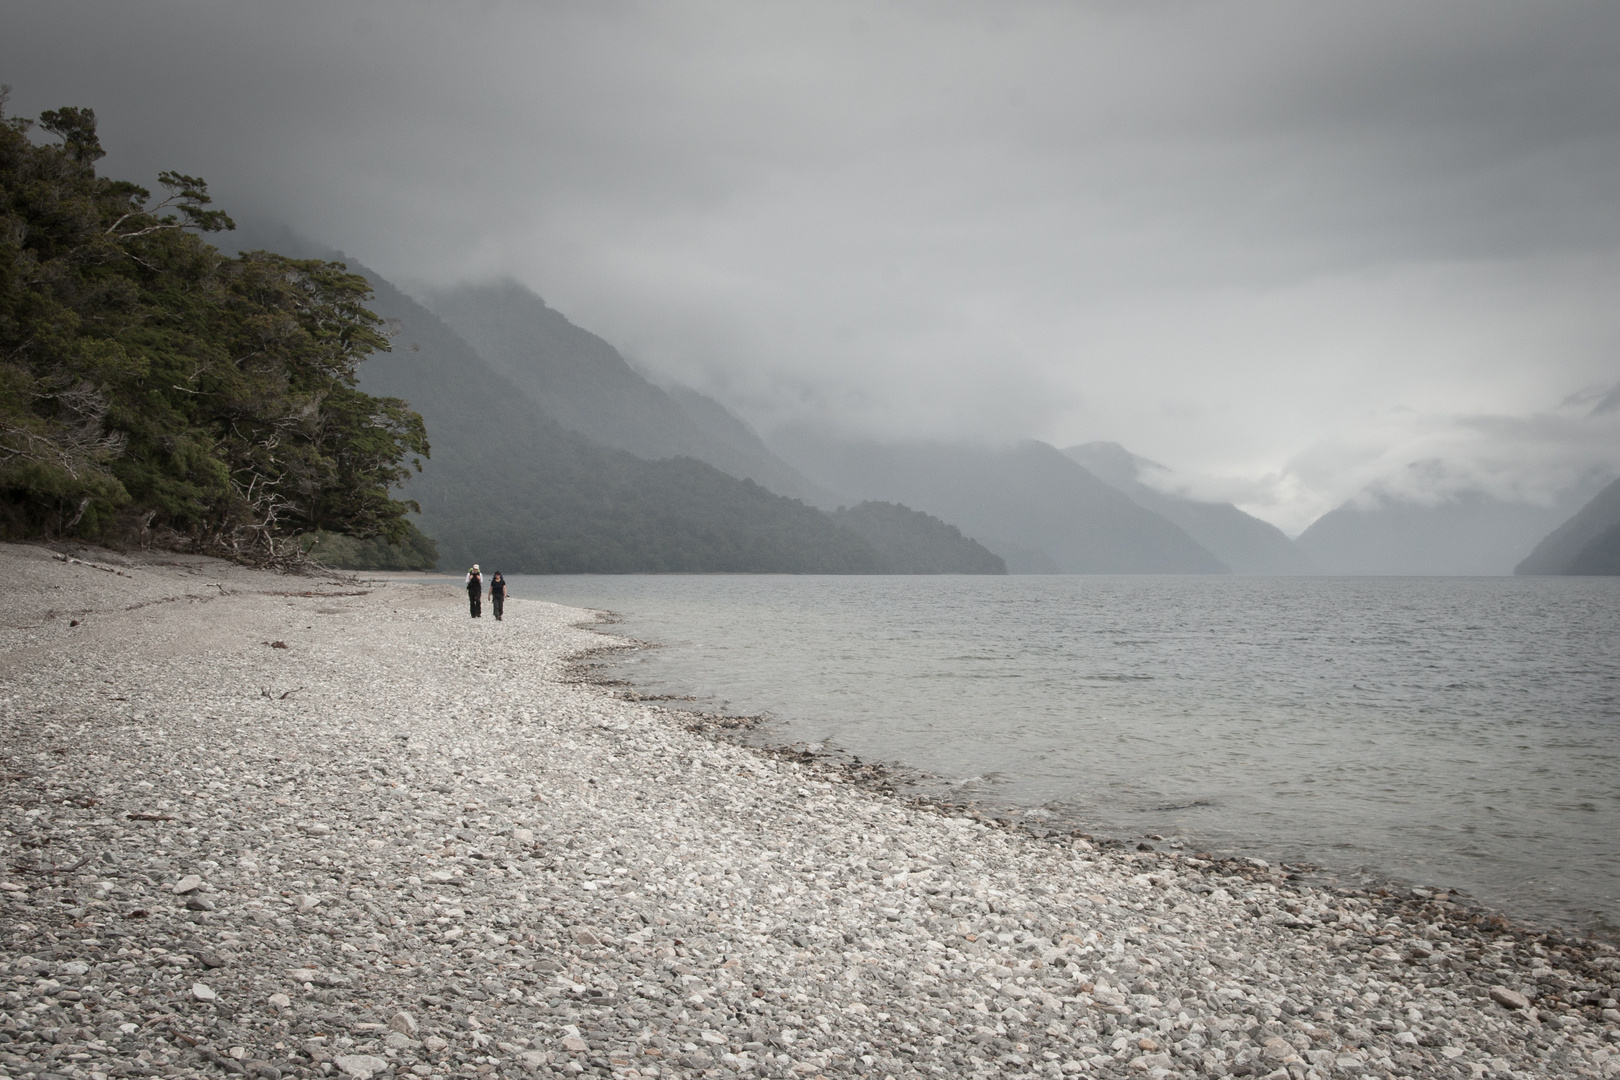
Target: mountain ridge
pixel 1588 543
pixel 587 386
pixel 1470 533
pixel 1039 510
pixel 1241 541
pixel 511 488
pixel 912 542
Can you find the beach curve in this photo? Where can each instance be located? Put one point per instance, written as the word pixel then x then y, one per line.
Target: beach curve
pixel 272 825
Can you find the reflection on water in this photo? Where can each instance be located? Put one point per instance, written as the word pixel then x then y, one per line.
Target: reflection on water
pixel 1461 732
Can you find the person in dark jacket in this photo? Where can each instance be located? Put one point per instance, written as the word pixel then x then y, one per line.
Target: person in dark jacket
pixel 497 594
pixel 475 591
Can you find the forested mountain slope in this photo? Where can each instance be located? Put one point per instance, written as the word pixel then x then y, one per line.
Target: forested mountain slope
pixel 1036 508
pixel 1588 543
pixel 1599 556
pixel 510 488
pixel 912 542
pixel 583 382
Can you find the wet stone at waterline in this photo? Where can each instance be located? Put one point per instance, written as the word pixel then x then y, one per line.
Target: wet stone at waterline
pixel 547 880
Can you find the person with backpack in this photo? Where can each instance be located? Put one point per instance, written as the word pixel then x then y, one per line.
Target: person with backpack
pixel 475 591
pixel 497 594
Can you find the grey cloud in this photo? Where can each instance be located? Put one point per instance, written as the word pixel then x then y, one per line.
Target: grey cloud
pixel 1279 246
pixel 1609 403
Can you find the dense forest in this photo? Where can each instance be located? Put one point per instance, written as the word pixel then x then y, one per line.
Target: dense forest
pixel 911 542
pixel 154 391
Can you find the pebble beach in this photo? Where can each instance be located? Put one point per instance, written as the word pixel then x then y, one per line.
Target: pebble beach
pixel 301 826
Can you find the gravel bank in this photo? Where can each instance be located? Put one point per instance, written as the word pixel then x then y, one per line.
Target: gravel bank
pixel 282 827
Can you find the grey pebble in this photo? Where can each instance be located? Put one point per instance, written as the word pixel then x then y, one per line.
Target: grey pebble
pixel 445 856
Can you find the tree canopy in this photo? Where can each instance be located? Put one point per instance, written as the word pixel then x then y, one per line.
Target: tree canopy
pixel 153 389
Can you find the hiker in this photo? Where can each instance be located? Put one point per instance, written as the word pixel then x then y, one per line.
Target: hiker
pixel 475 591
pixel 497 594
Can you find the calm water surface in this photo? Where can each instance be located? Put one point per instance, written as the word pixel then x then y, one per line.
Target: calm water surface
pixel 1447 731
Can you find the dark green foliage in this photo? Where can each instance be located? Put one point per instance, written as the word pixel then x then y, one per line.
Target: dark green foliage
pixel 912 542
pixel 413 552
pixel 150 386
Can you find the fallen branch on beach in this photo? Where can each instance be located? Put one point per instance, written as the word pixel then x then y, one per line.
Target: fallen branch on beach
pixel 287 694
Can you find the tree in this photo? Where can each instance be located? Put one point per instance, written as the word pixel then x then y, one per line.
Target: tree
pixel 149 384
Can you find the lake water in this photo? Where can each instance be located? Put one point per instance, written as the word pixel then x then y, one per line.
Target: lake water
pixel 1461 732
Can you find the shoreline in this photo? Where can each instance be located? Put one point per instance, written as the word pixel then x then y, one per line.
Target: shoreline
pixel 935 791
pixel 420 849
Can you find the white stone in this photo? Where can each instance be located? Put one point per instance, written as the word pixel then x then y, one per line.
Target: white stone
pixel 848 902
pixel 360 1066
pixel 1510 999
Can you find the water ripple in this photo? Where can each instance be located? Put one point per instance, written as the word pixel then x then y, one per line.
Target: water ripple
pixel 1460 732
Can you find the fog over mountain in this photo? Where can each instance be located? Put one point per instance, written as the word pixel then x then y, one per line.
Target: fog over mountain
pixel 556 456
pixel 1241 541
pixel 1286 250
pixel 510 487
pixel 1469 533
pixel 1588 543
pixel 1037 509
pixel 582 382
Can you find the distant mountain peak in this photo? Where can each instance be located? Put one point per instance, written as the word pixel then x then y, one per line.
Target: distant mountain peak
pixel 587 386
pixel 1029 503
pixel 509 486
pixel 1241 541
pixel 1386 531
pixel 1112 463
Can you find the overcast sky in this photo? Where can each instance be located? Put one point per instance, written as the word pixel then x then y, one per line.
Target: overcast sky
pixel 1286 249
